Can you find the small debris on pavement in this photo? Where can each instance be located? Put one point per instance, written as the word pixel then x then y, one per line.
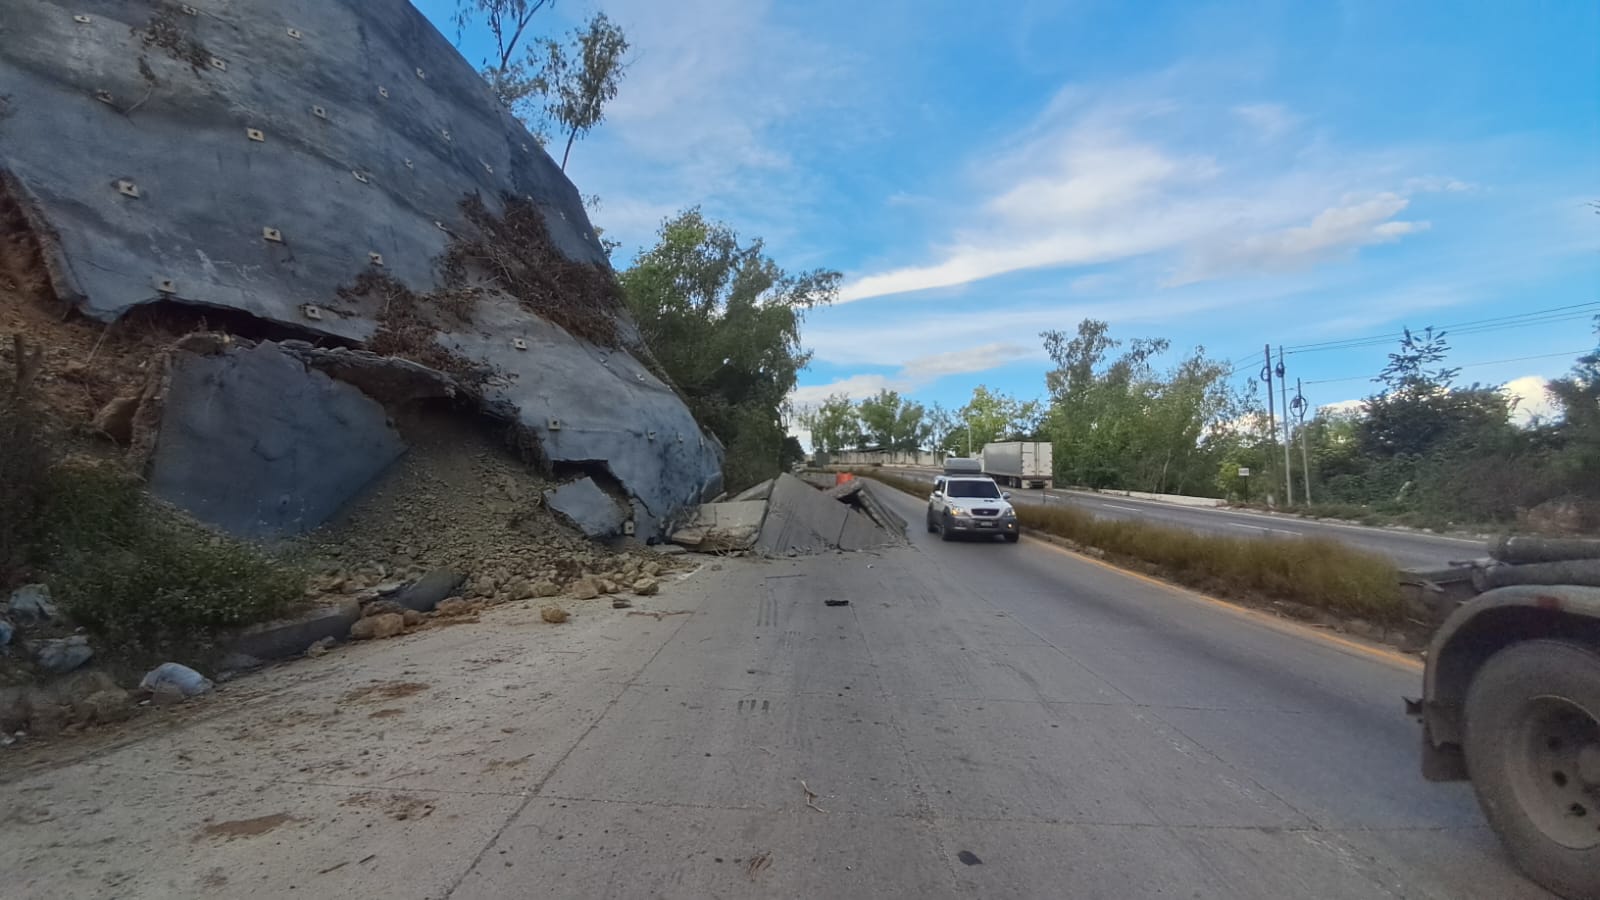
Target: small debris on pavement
pixel 621 603
pixel 836 602
pixel 811 797
pixel 555 615
pixel 969 858
pixel 758 863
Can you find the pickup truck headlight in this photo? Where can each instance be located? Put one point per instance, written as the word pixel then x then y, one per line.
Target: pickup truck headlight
pixel 957 511
pixel 1009 514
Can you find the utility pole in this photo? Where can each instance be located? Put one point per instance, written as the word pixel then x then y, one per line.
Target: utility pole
pixel 1301 407
pixel 1272 418
pixel 1288 467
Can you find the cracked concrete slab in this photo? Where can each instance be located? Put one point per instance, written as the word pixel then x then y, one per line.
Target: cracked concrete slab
pixel 801 519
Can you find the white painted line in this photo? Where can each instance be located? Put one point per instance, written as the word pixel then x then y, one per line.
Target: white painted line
pixel 1256 528
pixel 1132 509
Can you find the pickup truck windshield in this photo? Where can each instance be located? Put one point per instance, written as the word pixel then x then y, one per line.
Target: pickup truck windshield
pixel 981 489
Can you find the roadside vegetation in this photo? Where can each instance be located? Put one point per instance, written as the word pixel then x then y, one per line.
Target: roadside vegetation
pixel 146 582
pixel 1319 573
pixel 1421 450
pixel 723 321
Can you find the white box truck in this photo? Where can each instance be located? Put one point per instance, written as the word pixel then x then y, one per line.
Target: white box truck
pixel 1020 463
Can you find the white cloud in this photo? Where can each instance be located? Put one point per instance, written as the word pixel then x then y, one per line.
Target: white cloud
pixel 1338 229
pixel 1534 401
pixel 916 373
pixel 1438 184
pixel 1269 120
pixel 714 92
pixel 958 362
pixel 1070 206
pixel 855 387
pixel 1342 408
pixel 1105 181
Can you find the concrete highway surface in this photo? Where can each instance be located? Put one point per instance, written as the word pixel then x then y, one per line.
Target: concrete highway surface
pixel 1407 548
pixel 979 720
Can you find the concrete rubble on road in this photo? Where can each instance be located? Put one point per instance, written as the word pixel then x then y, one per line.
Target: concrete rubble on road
pixel 760 492
pixel 795 518
pixel 718 527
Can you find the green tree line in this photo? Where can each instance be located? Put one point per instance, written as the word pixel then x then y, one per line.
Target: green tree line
pixel 889 421
pixel 1426 448
pixel 1421 448
pixel 723 321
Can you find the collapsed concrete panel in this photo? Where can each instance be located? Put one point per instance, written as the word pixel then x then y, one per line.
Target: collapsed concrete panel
pixel 802 519
pixel 758 492
pixel 732 525
pixel 261 157
pixel 588 508
pixel 253 442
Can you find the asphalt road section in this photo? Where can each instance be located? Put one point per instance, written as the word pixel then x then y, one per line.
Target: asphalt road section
pixel 1408 549
pixel 977 720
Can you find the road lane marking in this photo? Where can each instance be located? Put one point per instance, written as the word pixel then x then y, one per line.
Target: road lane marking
pixel 1391 658
pixel 1257 528
pixel 1132 509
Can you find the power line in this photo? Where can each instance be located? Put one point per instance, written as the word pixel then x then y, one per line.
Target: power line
pixel 1475 326
pixel 1459 332
pixel 1568 309
pixel 1464 365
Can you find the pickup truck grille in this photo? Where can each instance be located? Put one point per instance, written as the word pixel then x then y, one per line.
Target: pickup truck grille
pixel 986 512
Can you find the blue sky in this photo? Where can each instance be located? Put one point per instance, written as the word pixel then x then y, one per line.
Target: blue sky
pixel 1221 174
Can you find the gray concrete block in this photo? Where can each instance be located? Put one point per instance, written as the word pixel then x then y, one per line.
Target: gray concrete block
pixel 588 508
pixel 759 492
pixel 861 533
pixel 253 443
pixel 802 519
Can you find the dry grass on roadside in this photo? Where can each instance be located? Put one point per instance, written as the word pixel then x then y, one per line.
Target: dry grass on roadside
pixel 1314 571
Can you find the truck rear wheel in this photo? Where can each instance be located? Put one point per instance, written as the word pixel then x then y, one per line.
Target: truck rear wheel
pixel 1532 744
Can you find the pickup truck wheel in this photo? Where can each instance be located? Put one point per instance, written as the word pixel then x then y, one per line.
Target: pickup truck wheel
pixel 1013 538
pixel 931 527
pixel 1532 719
pixel 945 532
